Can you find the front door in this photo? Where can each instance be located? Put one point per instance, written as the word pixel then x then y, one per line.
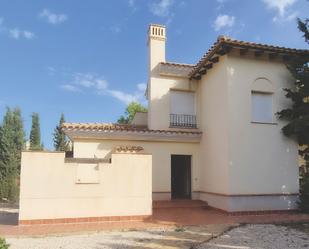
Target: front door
pixel 181 176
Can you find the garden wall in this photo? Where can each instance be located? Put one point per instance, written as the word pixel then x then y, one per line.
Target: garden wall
pixel 55 189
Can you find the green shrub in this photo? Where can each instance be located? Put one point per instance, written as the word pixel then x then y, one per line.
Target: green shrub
pixel 3 244
pixel 9 189
pixel 303 203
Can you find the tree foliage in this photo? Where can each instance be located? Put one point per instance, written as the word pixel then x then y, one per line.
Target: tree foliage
pixel 298 115
pixel 35 133
pixel 303 27
pixel 60 139
pixel 12 141
pixel 130 111
pixel 3 244
pixel 303 202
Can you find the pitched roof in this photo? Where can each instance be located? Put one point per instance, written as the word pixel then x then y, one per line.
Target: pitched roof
pixel 168 63
pixel 175 69
pixel 121 128
pixel 225 43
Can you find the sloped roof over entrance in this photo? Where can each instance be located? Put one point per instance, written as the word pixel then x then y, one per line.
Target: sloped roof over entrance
pixel 126 131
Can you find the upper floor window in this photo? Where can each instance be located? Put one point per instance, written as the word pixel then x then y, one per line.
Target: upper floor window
pixel 262 107
pixel 262 101
pixel 182 109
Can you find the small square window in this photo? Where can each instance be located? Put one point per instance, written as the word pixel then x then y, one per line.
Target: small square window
pixel 262 107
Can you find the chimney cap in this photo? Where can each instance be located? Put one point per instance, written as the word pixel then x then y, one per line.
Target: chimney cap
pixel 157 25
pixel 156 31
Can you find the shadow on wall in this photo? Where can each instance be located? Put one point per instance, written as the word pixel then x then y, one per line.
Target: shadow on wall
pixel 160 108
pixel 160 104
pixel 105 147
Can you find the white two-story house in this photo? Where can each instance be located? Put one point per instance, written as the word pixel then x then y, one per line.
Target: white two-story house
pixel 211 128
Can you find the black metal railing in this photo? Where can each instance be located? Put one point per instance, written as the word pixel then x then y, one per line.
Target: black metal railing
pixel 183 120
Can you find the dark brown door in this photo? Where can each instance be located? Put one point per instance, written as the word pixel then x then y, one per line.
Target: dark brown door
pixel 181 176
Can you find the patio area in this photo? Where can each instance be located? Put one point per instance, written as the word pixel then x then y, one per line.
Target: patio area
pixel 163 217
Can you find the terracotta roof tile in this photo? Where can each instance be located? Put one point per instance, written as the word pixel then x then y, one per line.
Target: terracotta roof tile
pixel 177 64
pixel 120 127
pixel 230 41
pixel 227 41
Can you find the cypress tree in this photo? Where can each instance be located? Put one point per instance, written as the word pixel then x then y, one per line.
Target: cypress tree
pixel 12 141
pixel 5 150
pixel 298 115
pixel 35 133
pixel 18 134
pixel 60 140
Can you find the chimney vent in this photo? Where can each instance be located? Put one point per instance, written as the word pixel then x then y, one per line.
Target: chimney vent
pixel 156 31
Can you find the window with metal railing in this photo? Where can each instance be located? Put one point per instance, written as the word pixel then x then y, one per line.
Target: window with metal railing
pixel 183 121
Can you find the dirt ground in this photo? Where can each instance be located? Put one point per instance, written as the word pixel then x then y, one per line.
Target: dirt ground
pixel 170 238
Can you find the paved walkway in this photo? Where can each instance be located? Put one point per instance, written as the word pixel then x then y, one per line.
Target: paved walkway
pixel 162 217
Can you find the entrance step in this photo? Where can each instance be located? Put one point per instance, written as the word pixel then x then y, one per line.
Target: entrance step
pixel 179 204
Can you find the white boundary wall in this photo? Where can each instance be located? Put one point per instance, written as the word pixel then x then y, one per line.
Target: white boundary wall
pixel 53 189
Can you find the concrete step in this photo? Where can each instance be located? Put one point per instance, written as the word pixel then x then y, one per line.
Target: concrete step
pixel 179 204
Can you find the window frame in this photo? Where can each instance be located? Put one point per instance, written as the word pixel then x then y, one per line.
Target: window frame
pixel 185 120
pixel 184 91
pixel 256 121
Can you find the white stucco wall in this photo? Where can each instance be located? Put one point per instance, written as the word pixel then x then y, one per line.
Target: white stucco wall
pixel 261 159
pixel 140 118
pixel 51 188
pixel 159 86
pixel 161 159
pixel 245 166
pixel 214 149
pixel 250 202
pixel 236 155
pixel 159 99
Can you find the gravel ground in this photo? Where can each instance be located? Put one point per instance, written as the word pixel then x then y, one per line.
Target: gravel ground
pixel 260 237
pixel 171 238
pixel 195 237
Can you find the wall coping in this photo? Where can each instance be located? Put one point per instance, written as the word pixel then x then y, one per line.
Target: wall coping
pixel 43 151
pixel 86 160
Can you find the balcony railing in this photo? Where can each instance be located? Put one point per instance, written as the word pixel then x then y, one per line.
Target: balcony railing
pixel 183 120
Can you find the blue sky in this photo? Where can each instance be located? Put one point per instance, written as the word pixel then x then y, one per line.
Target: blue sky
pixel 88 59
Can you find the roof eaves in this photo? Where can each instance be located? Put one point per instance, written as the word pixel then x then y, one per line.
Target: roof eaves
pixel 213 49
pixel 177 64
pixel 98 127
pixel 135 135
pixel 226 41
